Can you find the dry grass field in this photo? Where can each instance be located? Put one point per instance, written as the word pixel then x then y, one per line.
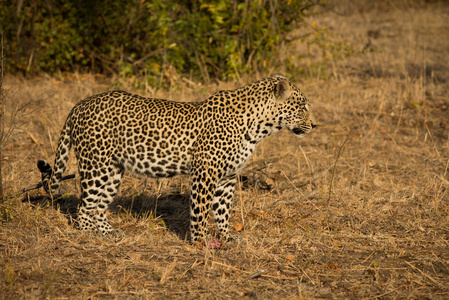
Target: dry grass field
pixel 359 209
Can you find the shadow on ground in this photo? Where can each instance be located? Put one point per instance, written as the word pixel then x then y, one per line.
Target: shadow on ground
pixel 173 208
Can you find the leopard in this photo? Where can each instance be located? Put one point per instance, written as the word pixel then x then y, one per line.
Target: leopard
pixel 210 140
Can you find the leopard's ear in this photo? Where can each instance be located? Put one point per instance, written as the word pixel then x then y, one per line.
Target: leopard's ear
pixel 279 75
pixel 282 91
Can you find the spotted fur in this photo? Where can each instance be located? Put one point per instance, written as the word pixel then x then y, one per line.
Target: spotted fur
pixel 210 140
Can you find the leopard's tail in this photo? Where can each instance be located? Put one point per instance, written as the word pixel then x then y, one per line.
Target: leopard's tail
pixel 51 179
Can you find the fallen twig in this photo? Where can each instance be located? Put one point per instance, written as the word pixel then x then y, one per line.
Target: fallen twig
pixel 40 184
pixel 255 274
pixel 340 151
pixel 293 201
pixel 424 274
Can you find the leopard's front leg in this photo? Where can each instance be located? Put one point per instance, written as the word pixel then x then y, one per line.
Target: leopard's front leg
pixel 221 205
pixel 203 187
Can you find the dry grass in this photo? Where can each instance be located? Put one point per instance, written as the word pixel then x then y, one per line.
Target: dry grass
pixel 382 233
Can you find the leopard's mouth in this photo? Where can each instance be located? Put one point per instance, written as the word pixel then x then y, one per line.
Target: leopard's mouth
pixel 301 131
pixel 298 130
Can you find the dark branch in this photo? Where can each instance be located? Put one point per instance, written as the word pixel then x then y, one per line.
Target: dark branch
pixel 40 184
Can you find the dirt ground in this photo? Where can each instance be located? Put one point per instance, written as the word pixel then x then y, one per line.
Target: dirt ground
pixel 356 210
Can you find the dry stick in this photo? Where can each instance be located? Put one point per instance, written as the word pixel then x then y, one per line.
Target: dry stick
pixel 384 294
pixel 168 271
pixel 332 181
pixel 40 184
pixel 2 117
pixel 251 274
pixel 424 274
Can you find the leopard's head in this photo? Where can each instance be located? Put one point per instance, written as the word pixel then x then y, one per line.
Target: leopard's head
pixel 293 108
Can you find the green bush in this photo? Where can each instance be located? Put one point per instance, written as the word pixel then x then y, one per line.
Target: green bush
pixel 207 39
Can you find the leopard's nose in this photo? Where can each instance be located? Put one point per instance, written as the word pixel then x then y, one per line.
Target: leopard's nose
pixel 314 125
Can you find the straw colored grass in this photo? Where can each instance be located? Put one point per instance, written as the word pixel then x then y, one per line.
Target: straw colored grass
pixel 358 209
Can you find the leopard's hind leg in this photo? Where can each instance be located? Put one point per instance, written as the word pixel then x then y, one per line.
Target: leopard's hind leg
pixel 99 185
